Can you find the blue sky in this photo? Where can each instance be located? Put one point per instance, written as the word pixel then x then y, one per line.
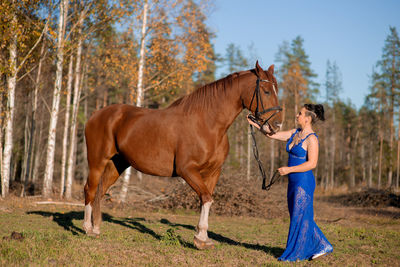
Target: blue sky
pixel 351 33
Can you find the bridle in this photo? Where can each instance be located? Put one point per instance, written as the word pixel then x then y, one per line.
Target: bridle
pixel 257 96
pixel 257 114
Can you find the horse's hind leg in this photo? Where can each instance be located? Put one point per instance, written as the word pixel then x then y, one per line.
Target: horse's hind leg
pixel 90 192
pixel 114 167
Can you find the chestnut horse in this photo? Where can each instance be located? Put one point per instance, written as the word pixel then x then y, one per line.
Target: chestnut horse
pixel 187 139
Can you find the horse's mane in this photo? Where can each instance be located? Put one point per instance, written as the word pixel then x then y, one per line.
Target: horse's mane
pixel 204 97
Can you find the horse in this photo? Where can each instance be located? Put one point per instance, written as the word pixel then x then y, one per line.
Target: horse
pixel 187 139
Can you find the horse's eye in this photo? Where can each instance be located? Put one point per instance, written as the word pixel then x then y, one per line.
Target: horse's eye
pixel 267 92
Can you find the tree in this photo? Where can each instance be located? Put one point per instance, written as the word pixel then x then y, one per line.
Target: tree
pixel 23 40
pixel 333 87
pixel 293 60
pixel 140 97
pixel 51 141
pixel 390 79
pixel 378 101
pixel 288 55
pixel 235 61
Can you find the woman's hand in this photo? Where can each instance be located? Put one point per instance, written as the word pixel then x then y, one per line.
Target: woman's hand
pixel 284 170
pixel 252 122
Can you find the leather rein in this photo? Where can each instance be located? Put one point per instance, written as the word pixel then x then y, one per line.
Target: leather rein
pixel 257 119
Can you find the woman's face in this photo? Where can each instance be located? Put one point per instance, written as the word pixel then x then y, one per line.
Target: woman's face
pixel 301 117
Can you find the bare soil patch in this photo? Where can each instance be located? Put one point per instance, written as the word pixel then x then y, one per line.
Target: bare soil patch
pixel 367 198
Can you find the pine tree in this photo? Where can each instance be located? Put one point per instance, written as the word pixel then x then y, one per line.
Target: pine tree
pixel 236 61
pixel 378 100
pixel 333 87
pixel 390 80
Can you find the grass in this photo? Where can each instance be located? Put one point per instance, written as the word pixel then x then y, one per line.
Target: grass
pixel 53 236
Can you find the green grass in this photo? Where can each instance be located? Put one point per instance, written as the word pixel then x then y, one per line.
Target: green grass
pixel 53 236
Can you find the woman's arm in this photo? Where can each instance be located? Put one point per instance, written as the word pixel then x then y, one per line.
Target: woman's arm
pixel 311 163
pixel 281 135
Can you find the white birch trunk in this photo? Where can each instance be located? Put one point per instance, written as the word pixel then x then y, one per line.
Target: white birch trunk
pixel 8 138
pixel 125 184
pixel 139 99
pixel 51 142
pixel 66 126
pixel 75 109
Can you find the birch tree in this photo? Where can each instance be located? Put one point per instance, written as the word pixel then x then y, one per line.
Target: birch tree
pixel 75 108
pixel 66 126
pixel 14 31
pixel 49 169
pixel 140 95
pixel 11 84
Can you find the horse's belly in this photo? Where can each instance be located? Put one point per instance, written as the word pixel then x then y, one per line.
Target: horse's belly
pixel 149 156
pixel 153 165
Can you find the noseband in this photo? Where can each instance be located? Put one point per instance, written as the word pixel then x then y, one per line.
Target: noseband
pixel 257 96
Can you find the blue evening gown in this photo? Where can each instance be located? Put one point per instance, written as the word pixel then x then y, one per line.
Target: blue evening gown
pixel 305 239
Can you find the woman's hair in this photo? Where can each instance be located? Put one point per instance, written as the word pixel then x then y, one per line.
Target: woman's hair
pixel 315 111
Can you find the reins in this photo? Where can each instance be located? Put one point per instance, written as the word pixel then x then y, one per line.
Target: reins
pixel 274 177
pixel 277 109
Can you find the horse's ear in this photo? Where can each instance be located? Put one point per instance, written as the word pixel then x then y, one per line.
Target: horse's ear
pixel 258 69
pixel 271 69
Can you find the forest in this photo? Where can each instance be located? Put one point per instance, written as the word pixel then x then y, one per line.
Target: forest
pixel 61 61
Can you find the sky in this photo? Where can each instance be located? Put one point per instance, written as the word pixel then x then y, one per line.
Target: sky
pixel 349 32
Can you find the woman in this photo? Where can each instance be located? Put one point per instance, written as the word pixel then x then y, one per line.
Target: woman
pixel 305 240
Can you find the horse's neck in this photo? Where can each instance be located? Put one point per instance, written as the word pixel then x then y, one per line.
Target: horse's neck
pixel 227 110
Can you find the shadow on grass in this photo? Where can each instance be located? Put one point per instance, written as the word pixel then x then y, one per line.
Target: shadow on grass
pixel 63 219
pixel 275 251
pixel 134 223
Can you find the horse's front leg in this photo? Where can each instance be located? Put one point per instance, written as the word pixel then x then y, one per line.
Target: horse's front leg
pixel 194 179
pixel 201 239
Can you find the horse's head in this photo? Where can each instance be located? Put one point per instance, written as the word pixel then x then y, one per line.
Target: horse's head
pixel 261 98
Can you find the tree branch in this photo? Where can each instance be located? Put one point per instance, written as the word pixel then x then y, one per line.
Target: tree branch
pixel 33 47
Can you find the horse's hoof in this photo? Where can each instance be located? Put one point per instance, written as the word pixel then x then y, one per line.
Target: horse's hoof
pixel 87 228
pixel 93 234
pixel 200 244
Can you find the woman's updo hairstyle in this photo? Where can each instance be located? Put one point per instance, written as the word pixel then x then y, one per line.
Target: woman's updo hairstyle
pixel 315 111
